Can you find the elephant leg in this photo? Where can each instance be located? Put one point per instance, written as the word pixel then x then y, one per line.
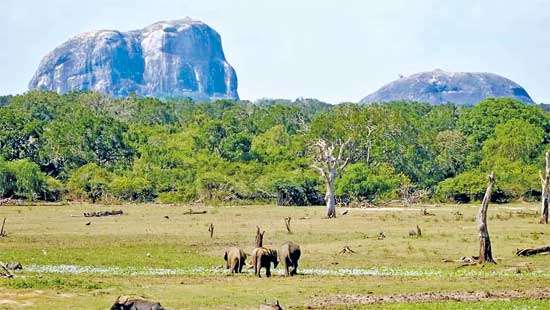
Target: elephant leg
pixel 258 267
pixel 289 265
pixel 294 269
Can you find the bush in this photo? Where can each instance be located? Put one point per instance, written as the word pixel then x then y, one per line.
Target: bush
pixel 56 189
pixel 360 182
pixel 132 188
pixel 298 194
pixel 22 179
pixel 89 182
pixel 514 180
pixel 465 187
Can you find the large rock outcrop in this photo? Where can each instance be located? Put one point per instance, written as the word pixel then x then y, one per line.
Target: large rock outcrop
pixel 182 58
pixel 438 87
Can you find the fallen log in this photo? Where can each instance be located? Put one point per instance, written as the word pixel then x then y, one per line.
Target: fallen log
pixel 4 272
pixel 535 251
pixel 5 200
pixel 191 212
pixel 103 213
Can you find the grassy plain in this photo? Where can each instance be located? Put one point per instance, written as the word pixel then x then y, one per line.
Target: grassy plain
pixel 161 253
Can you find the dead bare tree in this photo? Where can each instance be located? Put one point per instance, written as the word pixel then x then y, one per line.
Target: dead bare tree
pixel 259 241
pixel 2 232
pixel 545 182
pixel 211 230
pixel 330 160
pixel 485 252
pixel 287 224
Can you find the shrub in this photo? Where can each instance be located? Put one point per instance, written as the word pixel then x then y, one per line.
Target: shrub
pixel 298 193
pixel 22 179
pixel 89 182
pixel 132 188
pixel 513 180
pixel 360 181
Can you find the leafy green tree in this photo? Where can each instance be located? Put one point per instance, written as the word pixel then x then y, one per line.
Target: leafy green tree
pixel 90 182
pixel 361 182
pixel 451 151
pixel 22 179
pixel 515 140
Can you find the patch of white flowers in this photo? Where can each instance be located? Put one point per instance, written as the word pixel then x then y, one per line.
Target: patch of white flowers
pixel 358 272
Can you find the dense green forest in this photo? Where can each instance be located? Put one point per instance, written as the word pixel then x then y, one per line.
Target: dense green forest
pixel 86 146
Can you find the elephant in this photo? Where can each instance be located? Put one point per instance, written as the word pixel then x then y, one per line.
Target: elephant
pixel 263 257
pixel 235 259
pixel 125 303
pixel 289 254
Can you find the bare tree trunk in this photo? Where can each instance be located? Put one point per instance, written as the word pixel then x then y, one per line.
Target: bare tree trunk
pixel 259 241
pixel 287 224
pixel 329 196
pixel 545 199
pixel 485 252
pixel 211 230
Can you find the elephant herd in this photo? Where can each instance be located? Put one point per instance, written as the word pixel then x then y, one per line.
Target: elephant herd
pixel 262 257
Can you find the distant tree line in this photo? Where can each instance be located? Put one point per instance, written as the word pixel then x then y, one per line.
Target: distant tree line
pixel 87 146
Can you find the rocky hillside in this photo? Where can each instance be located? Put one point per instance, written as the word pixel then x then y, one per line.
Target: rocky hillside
pixel 181 58
pixel 438 87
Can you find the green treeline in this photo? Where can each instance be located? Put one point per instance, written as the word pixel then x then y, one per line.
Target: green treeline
pixel 88 146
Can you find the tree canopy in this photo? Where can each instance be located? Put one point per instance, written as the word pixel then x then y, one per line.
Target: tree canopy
pixel 89 146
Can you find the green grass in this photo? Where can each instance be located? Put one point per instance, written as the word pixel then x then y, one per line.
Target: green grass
pixel 143 238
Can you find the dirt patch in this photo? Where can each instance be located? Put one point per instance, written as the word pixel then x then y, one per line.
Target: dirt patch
pixel 324 302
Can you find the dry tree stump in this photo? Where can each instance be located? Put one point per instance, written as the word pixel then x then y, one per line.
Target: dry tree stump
pixel 346 250
pixel 485 251
pixel 545 183
pixel 415 232
pixel 2 231
pixel 273 306
pixel 259 241
pixel 211 230
pixel 287 224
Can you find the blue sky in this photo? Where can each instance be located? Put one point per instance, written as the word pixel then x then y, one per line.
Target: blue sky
pixel 332 50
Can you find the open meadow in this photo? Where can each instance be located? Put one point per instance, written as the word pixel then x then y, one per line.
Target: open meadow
pixel 161 253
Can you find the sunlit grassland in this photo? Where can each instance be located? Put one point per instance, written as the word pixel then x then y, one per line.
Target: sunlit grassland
pixel 144 238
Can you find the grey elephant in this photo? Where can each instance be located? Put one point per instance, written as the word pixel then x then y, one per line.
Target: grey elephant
pixel 289 255
pixel 125 303
pixel 262 258
pixel 235 259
